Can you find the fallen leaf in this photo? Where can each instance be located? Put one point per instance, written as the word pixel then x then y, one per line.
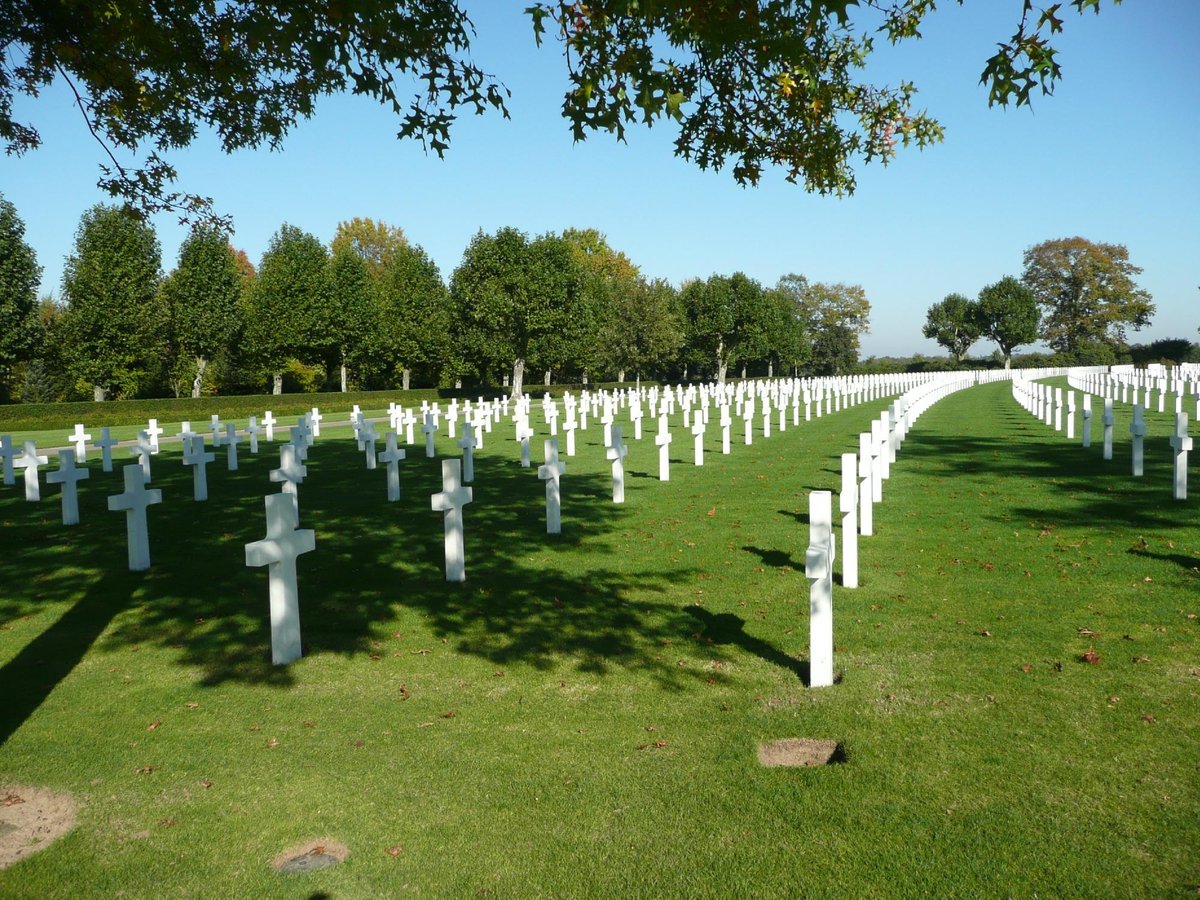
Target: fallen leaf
pixel 13 800
pixel 989 566
pixel 145 770
pixel 205 783
pixel 661 744
pixel 1140 659
pixel 360 744
pixel 1026 668
pixel 405 693
pixel 375 656
pixel 712 512
pixel 394 851
pixel 256 728
pixel 272 743
pixel 1090 656
pixel 448 714
pixel 985 633
pixel 1148 718
pixel 153 725
pixel 1087 632
pixel 497 674
pixel 1114 700
pixel 192 704
pixel 424 724
pixel 422 652
pixel 166 823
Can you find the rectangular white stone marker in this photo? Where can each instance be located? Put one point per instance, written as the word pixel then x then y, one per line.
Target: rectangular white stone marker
pixel 1058 409
pixel 616 452
pixel 1070 415
pixel 429 429
pixel 453 497
pixel 67 475
pixel 278 551
pixel 133 503
pixel 524 433
pixel 818 568
pixel 391 458
pixel 29 461
pixel 231 442
pixel 7 452
pixel 698 440
pixel 1108 420
pixel 79 439
pixel 551 472
pixel 569 427
pixel 848 505
pixel 196 457
pixel 142 451
pixel 291 472
pixel 726 424
pixel 269 424
pixel 663 440
pixel 106 443
pixel 748 424
pixel 154 430
pixel 1181 443
pixel 1137 431
pixel 467 445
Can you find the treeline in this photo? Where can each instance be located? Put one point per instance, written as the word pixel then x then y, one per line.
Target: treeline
pixel 372 311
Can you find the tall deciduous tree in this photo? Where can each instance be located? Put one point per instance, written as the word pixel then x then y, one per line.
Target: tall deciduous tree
pixel 111 285
pixel 1087 290
pixel 787 342
pixel 834 317
pixel 754 82
pixel 640 331
pixel 204 295
pixel 1008 314
pixel 515 299
pixel 20 276
pixel 415 314
pixel 351 318
pixel 609 278
pixel 288 304
pixel 375 242
pixel 727 319
pixel 954 323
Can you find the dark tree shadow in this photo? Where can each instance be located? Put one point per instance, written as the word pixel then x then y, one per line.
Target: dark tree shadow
pixel 728 628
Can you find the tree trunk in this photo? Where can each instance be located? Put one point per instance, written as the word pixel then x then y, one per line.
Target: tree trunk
pixel 546 381
pixel 770 368
pixel 343 374
pixel 99 394
pixel 201 366
pixel 722 363
pixel 406 377
pixel 621 375
pixel 277 383
pixel 685 372
pixel 743 373
pixel 518 377
pixel 1007 361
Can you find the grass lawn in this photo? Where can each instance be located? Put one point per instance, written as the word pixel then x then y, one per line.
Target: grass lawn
pixel 580 717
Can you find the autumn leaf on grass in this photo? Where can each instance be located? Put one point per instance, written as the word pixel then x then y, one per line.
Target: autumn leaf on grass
pixel 448 714
pixel 145 770
pixel 394 851
pixel 166 823
pixel 405 693
pixel 712 512
pixel 206 783
pixel 989 566
pixel 985 633
pixel 272 743
pixel 192 704
pixel 153 725
pixel 1087 632
pixel 1090 656
pixel 13 800
pixel 1148 718
pixel 1026 668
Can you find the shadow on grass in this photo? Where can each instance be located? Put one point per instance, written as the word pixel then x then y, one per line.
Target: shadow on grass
pixel 728 628
pixel 529 597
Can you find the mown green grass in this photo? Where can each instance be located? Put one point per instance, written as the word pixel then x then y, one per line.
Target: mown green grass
pixel 679 617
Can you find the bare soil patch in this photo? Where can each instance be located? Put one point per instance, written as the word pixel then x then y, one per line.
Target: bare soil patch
pixel 31 819
pixel 318 853
pixel 798 752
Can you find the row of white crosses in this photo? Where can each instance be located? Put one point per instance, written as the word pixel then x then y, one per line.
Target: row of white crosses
pixel 1128 385
pixel 1045 404
pixel 861 486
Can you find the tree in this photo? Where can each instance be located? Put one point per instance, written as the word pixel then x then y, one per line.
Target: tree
pixel 787 342
pixel 840 311
pixel 1008 314
pixel 834 351
pixel 757 82
pixel 375 242
pixel 609 282
pixel 1087 290
pixel 954 324
pixel 204 296
pixel 351 316
pixel 513 299
pixel 288 303
pixel 640 329
pixel 727 319
pixel 20 276
pixel 111 285
pixel 415 313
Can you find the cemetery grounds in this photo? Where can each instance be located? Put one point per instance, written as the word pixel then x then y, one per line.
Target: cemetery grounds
pixel 1018 711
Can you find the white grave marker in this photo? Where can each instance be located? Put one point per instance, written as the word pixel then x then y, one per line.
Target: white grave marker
pixel 1181 443
pixel 231 442
pixel 616 453
pixel 79 439
pixel 29 461
pixel 453 497
pixel 7 452
pixel 67 475
pixel 196 457
pixel 818 568
pixel 698 440
pixel 391 458
pixel 1137 430
pixel 848 505
pixel 663 439
pixel 467 444
pixel 142 451
pixel 291 472
pixel 278 551
pixel 1108 420
pixel 152 429
pixel 133 503
pixel 269 424
pixel 551 472
pixel 106 443
pixel 429 429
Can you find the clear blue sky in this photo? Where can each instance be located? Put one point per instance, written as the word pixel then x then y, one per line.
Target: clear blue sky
pixel 1113 156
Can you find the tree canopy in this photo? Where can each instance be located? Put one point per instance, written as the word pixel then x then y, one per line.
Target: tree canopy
pixel 20 276
pixel 1007 313
pixel 752 83
pixel 954 323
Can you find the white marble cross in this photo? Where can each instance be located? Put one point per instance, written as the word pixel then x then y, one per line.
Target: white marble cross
pixel 430 429
pixel 726 424
pixel 133 503
pixel 1137 431
pixel 616 452
pixel 410 423
pixel 299 441
pixel 1108 420
pixel 369 437
pixel 29 461
pixel 269 424
pixel 79 439
pixel 1181 443
pixel 217 427
pixel 818 568
pixel 467 444
pixel 7 452
pixel 635 416
pixel 391 458
pixel 106 443
pixel 524 433
pixel 196 457
pixel 252 431
pixel 866 492
pixel 848 505
pixel 766 417
pixel 663 439
pixel 67 475
pixel 315 417
pixel 450 501
pixel 551 472
pixel 1070 415
pixel 748 423
pixel 551 416
pixel 278 551
pixel 569 427
pixel 154 430
pixel 142 451
pixel 698 439
pixel 231 443
pixel 291 472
